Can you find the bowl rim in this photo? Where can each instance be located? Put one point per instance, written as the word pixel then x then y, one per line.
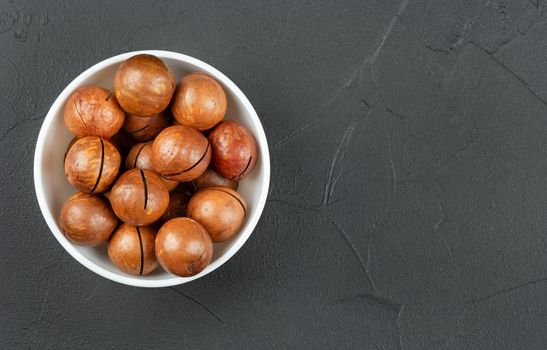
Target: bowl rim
pixel 51 220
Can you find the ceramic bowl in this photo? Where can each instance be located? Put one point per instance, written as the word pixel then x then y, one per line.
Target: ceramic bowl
pixel 52 187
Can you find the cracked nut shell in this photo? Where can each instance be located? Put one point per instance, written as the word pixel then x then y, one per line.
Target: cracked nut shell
pixel 92 164
pixel 220 210
pixel 183 247
pixel 210 178
pixel 180 153
pixel 178 201
pixel 199 101
pixel 139 197
pixel 93 111
pixel 87 219
pixel 235 151
pixel 131 249
pixel 144 85
pixel 145 128
pixel 74 139
pixel 140 157
pixel 122 143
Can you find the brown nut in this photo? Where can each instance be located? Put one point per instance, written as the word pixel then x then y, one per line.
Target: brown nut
pixel 87 219
pixel 180 153
pixel 131 249
pixel 139 197
pixel 145 128
pixel 93 111
pixel 183 247
pixel 144 85
pixel 74 139
pixel 122 143
pixel 220 210
pixel 235 151
pixel 92 164
pixel 178 201
pixel 199 101
pixel 140 157
pixel 210 178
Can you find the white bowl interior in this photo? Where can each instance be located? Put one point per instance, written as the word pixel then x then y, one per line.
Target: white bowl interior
pixel 52 188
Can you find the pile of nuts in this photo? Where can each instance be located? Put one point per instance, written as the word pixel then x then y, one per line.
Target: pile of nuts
pixel 156 167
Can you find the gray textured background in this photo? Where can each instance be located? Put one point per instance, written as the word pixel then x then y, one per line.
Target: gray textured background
pixel 408 204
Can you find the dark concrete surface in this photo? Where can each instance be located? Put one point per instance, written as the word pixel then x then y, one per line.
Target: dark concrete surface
pixel 408 204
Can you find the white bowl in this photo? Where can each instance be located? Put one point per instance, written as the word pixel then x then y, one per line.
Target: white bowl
pixel 52 188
